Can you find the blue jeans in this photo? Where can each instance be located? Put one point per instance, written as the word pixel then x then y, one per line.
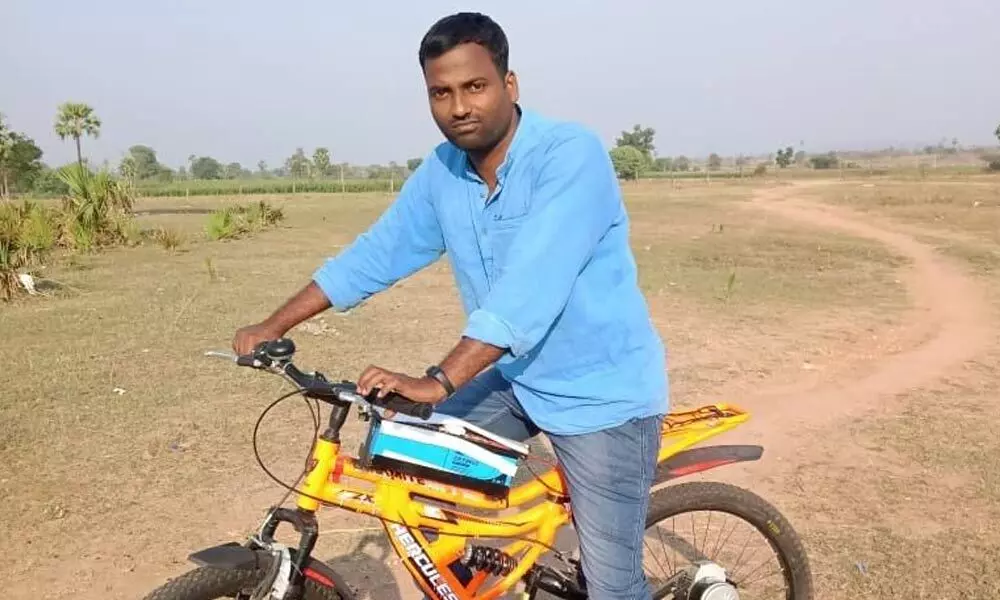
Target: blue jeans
pixel 609 474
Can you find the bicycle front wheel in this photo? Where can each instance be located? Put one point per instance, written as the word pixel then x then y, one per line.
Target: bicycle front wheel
pixel 209 583
pixel 694 522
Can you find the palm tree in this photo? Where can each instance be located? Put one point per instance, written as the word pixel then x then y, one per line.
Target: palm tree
pixel 76 119
pixel 6 144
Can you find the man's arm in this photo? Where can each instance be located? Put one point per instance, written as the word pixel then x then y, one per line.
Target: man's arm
pixel 405 238
pixel 307 303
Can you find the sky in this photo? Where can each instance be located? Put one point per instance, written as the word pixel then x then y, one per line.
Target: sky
pixel 249 80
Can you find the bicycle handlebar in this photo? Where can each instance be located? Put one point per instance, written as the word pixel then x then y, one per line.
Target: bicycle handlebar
pixel 276 355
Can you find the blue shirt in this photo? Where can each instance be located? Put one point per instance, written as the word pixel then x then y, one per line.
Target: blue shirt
pixel 543 266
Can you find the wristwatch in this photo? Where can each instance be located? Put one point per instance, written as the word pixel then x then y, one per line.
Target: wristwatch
pixel 436 372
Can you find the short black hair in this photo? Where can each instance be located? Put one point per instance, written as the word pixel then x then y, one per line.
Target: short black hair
pixel 464 28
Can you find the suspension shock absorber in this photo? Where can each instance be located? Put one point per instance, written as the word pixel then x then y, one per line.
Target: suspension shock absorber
pixel 491 560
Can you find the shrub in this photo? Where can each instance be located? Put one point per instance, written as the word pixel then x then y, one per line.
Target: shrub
pixel 825 161
pixel 238 220
pixel 97 209
pixel 27 234
pixel 169 239
pixel 992 162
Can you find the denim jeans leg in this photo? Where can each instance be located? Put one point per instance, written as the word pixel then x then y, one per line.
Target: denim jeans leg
pixel 609 474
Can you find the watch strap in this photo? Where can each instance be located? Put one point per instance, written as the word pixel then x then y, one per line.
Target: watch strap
pixel 436 372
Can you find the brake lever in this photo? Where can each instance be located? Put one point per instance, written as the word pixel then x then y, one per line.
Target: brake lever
pixel 226 355
pixel 251 362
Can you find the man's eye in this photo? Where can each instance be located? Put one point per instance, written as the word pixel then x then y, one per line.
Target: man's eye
pixel 477 86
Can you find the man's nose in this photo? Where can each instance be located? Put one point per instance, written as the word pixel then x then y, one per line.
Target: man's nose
pixel 459 107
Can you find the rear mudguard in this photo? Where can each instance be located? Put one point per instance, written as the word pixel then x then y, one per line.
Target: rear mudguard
pixel 232 555
pixel 697 460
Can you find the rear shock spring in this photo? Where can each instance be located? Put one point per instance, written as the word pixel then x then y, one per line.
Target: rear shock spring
pixel 491 560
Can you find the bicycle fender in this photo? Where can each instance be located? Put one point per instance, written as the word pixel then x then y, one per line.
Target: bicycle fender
pixel 233 556
pixel 697 460
pixel 229 556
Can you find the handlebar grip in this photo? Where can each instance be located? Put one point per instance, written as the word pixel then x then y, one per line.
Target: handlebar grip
pixel 245 360
pixel 395 402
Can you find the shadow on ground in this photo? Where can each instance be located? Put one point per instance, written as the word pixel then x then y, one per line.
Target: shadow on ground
pixel 366 568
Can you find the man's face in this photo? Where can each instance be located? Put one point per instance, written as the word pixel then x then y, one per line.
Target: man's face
pixel 471 103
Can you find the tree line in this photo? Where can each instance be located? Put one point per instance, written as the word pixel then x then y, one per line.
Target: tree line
pixel 23 171
pixel 634 154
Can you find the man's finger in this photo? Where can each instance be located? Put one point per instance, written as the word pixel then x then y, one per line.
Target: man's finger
pixel 386 385
pixel 365 380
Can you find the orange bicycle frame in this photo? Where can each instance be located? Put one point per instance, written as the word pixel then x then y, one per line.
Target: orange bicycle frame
pixel 409 505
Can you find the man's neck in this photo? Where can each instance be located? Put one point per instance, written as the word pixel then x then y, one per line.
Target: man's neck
pixel 487 162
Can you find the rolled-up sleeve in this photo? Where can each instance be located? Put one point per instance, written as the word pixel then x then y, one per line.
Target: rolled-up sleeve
pixel 574 202
pixel 404 239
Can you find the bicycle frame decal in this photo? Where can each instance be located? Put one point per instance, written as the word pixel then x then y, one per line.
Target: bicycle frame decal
pixel 420 562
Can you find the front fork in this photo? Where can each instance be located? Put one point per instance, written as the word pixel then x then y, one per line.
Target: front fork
pixel 304 522
pixel 303 518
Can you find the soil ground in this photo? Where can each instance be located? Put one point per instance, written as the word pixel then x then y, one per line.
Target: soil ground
pixel 855 320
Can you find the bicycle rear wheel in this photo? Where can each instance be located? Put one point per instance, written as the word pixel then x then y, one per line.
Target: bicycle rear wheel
pixel 685 539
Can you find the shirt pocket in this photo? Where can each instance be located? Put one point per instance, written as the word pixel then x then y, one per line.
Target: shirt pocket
pixel 502 234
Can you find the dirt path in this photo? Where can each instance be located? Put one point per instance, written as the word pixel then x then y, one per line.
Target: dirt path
pixel 950 323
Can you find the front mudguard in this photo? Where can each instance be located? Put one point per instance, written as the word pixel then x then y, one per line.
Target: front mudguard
pixel 234 556
pixel 230 556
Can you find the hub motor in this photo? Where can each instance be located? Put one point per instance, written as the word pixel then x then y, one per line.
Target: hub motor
pixel 710 583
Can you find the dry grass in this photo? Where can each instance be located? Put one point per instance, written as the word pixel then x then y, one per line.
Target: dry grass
pixel 147 443
pixel 964 208
pixel 914 512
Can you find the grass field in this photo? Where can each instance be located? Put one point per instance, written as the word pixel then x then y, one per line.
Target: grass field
pixel 125 448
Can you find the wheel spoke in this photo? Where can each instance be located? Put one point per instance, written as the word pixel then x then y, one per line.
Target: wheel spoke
pixel 755 577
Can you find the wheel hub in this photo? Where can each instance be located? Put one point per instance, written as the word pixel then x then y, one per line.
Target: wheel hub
pixel 711 583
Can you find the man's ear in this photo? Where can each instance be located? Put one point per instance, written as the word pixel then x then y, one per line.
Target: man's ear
pixel 510 82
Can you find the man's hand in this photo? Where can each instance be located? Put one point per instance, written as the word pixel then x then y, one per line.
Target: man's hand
pixel 423 389
pixel 247 338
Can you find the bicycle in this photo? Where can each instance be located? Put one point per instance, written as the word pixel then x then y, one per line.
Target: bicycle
pixel 415 500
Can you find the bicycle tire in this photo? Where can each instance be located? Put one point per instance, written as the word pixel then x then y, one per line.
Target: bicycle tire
pixel 209 583
pixel 692 496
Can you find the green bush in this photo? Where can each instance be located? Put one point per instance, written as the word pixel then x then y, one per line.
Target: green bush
pixel 238 220
pixel 992 162
pixel 97 209
pixel 27 235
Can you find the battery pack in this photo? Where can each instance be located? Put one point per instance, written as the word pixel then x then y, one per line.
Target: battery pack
pixel 444 449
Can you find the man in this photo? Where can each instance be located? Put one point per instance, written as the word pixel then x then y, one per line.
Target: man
pixel 558 337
